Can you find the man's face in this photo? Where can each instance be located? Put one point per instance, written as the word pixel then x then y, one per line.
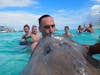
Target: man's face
pixel 34 30
pixel 66 29
pixel 47 26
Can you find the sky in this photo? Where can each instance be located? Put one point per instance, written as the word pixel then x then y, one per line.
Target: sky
pixel 17 13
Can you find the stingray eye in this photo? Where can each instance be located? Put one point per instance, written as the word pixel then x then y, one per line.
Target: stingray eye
pixel 47 50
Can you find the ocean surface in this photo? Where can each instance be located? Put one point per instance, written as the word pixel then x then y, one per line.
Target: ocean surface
pixel 13 57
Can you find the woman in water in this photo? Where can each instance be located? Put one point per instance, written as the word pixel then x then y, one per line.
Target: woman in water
pixel 27 38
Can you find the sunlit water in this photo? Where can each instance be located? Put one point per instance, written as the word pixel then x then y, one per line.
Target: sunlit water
pixel 13 58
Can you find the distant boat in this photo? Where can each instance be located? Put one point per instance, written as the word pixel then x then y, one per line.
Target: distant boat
pixel 3 31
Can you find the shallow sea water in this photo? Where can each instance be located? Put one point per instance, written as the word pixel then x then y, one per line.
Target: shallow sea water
pixel 13 57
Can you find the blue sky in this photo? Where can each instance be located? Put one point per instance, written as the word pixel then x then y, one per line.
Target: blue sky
pixel 17 13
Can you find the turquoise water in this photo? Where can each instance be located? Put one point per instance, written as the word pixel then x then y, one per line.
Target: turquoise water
pixel 85 37
pixel 13 58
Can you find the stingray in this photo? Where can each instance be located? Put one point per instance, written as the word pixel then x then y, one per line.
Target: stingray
pixel 56 55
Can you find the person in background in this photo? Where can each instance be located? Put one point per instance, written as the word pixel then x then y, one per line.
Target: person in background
pixel 35 37
pixel 80 29
pixel 67 33
pixel 89 29
pixel 26 39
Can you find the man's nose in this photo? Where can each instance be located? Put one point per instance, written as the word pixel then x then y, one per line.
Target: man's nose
pixel 50 29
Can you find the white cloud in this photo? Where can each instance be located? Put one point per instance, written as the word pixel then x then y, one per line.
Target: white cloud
pixel 60 11
pixel 17 3
pixel 96 1
pixel 70 17
pixel 95 10
pixel 95 7
pixel 18 19
pixel 95 14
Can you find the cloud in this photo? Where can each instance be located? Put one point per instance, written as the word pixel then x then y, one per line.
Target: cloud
pixel 60 11
pixel 95 10
pixel 62 17
pixel 72 18
pixel 18 19
pixel 17 3
pixel 95 14
pixel 98 1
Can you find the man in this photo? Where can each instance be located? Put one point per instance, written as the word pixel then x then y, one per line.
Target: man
pixel 46 25
pixel 89 29
pixel 35 34
pixel 35 37
pixel 67 32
